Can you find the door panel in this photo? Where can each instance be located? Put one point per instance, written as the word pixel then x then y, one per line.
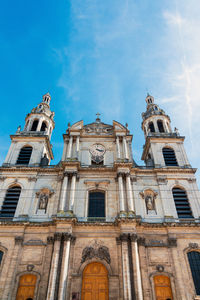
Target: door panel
pixel 26 287
pixel 162 287
pixel 95 282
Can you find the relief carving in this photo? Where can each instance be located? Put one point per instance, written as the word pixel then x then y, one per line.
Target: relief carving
pixel 99 251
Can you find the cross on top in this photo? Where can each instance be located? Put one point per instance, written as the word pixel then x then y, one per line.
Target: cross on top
pixel 98 120
pixel 98 115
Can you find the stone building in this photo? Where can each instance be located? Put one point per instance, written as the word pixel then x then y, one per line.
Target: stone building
pixel 97 225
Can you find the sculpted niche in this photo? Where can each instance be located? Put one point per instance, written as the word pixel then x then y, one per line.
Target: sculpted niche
pixel 43 198
pixel 149 196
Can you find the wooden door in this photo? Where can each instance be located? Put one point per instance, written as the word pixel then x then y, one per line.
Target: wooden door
pixel 95 282
pixel 162 288
pixel 26 287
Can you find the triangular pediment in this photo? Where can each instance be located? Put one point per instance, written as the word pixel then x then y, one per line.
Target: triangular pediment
pixel 97 128
pixel 77 126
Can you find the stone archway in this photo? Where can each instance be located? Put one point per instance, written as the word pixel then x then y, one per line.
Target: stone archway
pixel 95 282
pixel 26 288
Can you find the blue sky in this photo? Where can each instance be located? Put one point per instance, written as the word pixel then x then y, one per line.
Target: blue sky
pixel 101 55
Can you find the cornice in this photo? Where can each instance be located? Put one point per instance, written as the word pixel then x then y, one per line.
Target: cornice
pixel 31 169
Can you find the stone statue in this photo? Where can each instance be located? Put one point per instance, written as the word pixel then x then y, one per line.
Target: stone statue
pixel 19 128
pixel 43 201
pixel 149 202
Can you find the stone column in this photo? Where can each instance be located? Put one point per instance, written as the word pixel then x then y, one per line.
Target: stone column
pixel 39 124
pixel 129 196
pixel 46 268
pixel 63 196
pixel 125 148
pixel 118 148
pixel 77 146
pixel 121 193
pixel 72 192
pixel 125 267
pixel 65 265
pixel 69 150
pixel 139 279
pixel 64 151
pixel 54 266
pixel 10 276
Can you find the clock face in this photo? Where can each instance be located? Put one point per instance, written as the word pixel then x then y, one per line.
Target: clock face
pixel 97 151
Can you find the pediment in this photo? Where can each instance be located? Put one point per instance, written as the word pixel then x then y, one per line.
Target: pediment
pixel 97 128
pixel 119 127
pixel 77 126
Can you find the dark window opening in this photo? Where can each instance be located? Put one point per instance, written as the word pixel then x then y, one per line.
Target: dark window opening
pixel 96 210
pixel 181 202
pixel 169 157
pixel 94 163
pixel 194 261
pixel 34 125
pixel 10 202
pixel 151 127
pixel 1 256
pixel 24 156
pixel 43 127
pixel 160 126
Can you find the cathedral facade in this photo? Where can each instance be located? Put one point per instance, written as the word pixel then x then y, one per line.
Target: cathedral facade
pixel 97 226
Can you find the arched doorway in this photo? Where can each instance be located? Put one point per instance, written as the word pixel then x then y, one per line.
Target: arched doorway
pixel 95 282
pixel 26 287
pixel 162 287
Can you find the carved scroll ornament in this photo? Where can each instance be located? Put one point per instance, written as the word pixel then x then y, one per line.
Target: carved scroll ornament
pixel 102 253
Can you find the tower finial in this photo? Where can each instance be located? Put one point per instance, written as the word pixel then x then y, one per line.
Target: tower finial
pixel 98 119
pixel 149 99
pixel 46 98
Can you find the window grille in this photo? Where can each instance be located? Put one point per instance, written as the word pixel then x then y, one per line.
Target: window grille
pixel 24 156
pixel 96 211
pixel 10 202
pixel 34 125
pixel 160 126
pixel 194 261
pixel 181 202
pixel 151 127
pixel 169 157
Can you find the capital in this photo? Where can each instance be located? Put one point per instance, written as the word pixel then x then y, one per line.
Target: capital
pixel 19 240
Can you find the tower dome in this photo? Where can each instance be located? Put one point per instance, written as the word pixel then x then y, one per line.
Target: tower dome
pixel 155 120
pixel 41 118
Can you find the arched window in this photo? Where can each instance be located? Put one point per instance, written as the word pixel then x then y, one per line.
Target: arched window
pixel 160 126
pixel 151 127
pixel 10 202
pixel 96 207
pixel 34 125
pixel 181 203
pixel 24 155
pixel 194 261
pixel 169 157
pixel 44 126
pixel 1 256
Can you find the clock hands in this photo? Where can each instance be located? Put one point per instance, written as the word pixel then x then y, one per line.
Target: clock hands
pixel 99 150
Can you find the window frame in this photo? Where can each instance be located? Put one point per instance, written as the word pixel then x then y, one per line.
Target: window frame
pixel 88 203
pixel 188 202
pixel 165 158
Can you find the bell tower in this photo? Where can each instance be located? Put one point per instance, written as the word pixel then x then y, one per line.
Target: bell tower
pixel 163 146
pixel 31 146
